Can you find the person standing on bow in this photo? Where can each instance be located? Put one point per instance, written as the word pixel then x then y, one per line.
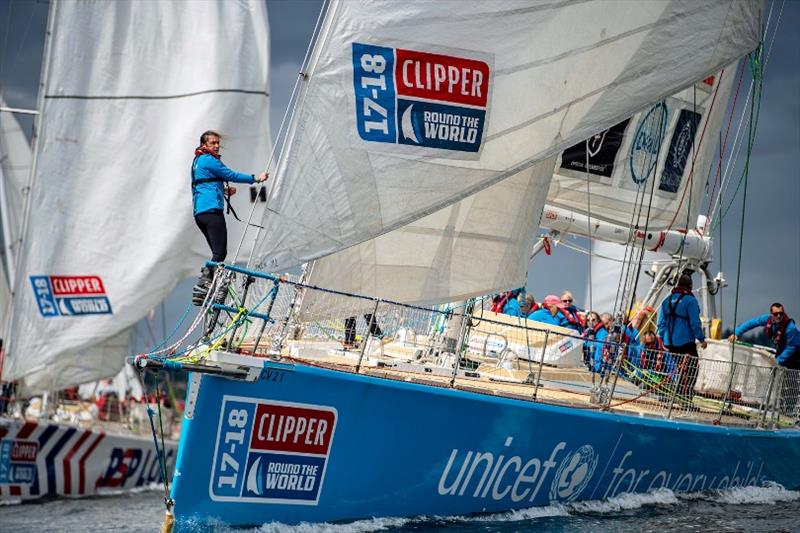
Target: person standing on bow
pixel 781 330
pixel 679 326
pixel 210 192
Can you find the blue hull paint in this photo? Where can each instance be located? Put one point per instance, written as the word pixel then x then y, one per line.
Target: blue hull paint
pixel 385 448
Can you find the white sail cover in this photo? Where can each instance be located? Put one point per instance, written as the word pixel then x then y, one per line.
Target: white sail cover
pixel 659 142
pixel 409 107
pixel 131 86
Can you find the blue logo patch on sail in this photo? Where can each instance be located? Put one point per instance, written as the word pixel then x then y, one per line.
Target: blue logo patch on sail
pixel 419 98
pixel 70 295
pixel 680 147
pixel 647 143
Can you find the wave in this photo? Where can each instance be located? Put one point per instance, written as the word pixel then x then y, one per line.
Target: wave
pixel 768 494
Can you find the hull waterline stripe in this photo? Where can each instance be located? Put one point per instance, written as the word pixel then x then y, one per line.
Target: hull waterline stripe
pixel 148 97
pixel 82 464
pixel 68 459
pixel 49 461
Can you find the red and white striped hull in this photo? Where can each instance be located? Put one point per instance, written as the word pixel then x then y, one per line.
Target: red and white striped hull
pixel 45 460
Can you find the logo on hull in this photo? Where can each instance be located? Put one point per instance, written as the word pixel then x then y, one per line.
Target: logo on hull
pixel 271 452
pixel 573 474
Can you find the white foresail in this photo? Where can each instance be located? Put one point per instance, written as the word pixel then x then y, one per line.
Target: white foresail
pixel 406 111
pixel 659 142
pixel 469 248
pixel 131 86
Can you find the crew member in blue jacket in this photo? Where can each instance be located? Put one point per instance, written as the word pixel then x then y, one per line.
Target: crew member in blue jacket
pixel 781 330
pixel 209 187
pixel 679 326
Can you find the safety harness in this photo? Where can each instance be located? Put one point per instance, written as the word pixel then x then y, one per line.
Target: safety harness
pixel 672 306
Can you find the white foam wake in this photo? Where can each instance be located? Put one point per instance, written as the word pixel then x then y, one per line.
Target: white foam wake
pixel 359 526
pixel 625 502
pixel 770 494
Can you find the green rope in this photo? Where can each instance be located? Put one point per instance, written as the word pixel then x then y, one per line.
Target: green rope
pixel 757 70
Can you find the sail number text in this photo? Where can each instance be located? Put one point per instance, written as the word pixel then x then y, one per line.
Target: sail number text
pixel 374 91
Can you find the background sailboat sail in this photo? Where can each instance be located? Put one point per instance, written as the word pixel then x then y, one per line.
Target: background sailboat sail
pixel 110 230
pixel 15 167
pixel 487 93
pixel 660 141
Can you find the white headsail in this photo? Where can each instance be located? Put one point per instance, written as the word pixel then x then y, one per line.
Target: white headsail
pixel 130 88
pixel 407 111
pixel 673 141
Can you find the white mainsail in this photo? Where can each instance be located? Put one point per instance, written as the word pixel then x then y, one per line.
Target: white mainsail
pixel 130 88
pixel 356 168
pixel 659 142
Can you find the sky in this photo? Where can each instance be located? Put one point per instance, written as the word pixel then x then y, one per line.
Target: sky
pixel 770 265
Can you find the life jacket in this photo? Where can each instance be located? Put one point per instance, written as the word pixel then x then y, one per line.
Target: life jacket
pixel 780 330
pixel 500 301
pixel 572 318
pixel 672 307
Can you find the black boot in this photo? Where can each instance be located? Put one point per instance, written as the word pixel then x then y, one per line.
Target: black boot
pixel 200 290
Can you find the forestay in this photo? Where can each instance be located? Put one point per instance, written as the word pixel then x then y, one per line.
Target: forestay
pixel 438 106
pixel 668 147
pixel 131 86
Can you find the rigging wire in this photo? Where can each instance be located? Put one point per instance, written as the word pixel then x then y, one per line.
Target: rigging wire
pixel 281 135
pixel 726 180
pixel 755 108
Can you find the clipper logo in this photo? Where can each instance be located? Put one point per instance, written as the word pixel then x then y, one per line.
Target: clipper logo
pixel 271 452
pixel 420 98
pixel 573 474
pixel 18 461
pixel 70 295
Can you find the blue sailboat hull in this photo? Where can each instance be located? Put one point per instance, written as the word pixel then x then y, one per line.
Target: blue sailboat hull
pixel 306 444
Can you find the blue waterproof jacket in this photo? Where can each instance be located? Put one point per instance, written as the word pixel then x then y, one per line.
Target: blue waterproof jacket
pixel 512 308
pixel 789 353
pixel 208 175
pixel 679 320
pixel 597 348
pixel 544 316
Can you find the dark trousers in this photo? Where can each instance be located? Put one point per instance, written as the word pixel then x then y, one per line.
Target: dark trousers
pixel 350 328
pixel 687 367
pixel 212 224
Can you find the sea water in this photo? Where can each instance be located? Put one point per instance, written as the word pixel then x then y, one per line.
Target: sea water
pixel 749 509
